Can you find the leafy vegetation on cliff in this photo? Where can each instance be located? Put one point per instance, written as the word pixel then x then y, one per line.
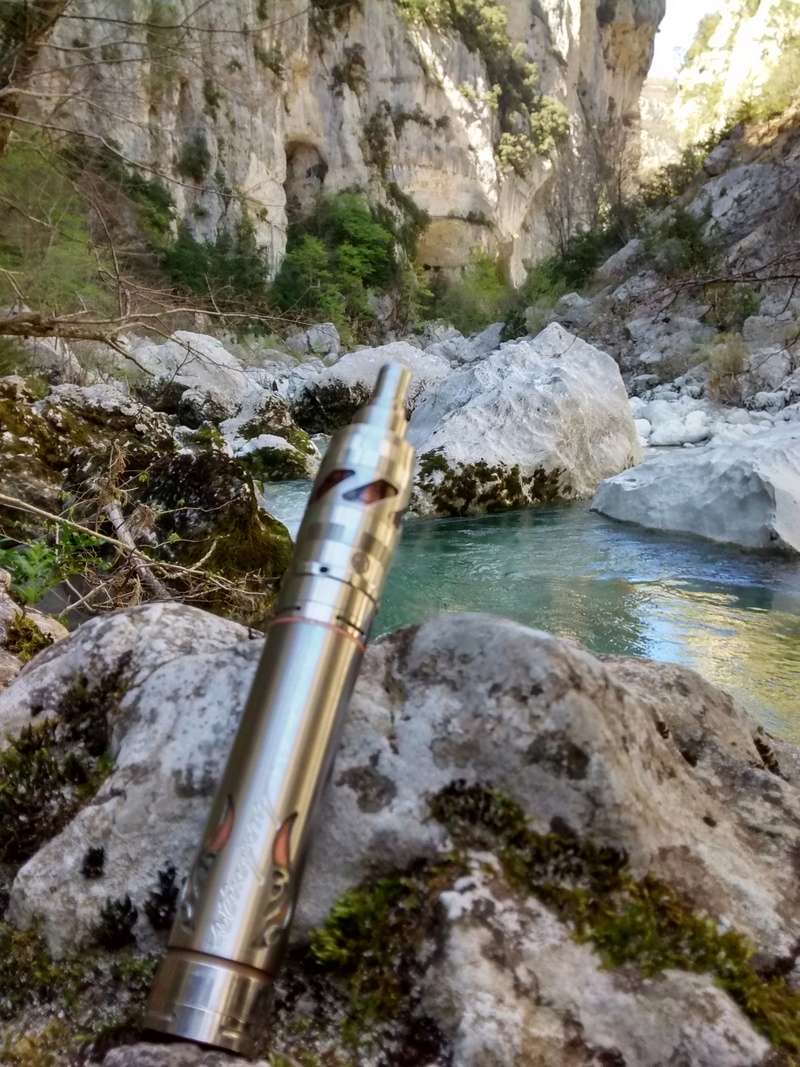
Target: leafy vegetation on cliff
pixel 531 123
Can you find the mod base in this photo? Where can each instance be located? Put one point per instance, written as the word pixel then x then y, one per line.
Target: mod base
pixel 208 1000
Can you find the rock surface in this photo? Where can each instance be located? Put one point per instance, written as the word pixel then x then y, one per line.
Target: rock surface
pixel 745 492
pixel 538 420
pixel 326 401
pixel 645 760
pixel 321 99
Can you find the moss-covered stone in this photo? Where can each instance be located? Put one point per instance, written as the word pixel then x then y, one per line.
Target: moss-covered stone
pixel 207 508
pixel 52 768
pixel 641 923
pixel 24 638
pixel 275 464
pixel 476 488
pixel 327 407
pixel 70 1009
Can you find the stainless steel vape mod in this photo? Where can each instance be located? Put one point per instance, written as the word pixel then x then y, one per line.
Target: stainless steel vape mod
pixel 237 903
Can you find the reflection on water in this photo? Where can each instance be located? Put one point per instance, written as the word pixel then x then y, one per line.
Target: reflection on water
pixel 733 616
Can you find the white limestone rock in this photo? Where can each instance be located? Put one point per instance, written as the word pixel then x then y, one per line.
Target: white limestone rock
pixel 196 362
pixel 641 757
pixel 539 419
pixel 322 402
pixel 498 954
pixel 619 265
pixel 322 339
pixel 745 492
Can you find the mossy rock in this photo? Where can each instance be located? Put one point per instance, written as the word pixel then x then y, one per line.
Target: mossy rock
pixel 207 508
pixel 326 408
pixel 275 464
pixel 458 489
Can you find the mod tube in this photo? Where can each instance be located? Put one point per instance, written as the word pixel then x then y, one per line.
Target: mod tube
pixel 237 903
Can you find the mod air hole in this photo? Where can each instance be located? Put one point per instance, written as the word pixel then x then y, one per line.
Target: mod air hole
pixel 328 483
pixel 372 492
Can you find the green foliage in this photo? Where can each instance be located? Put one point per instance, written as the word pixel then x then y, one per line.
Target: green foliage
pixel 232 266
pixel 352 71
pixel 479 297
pixel 640 923
pixel 13 358
pixel 566 271
pixel 153 201
pixel 195 158
pixel 213 96
pixel 678 243
pixel 327 15
pixel 514 81
pixel 272 58
pixel 24 638
pixel 40 565
pixel 705 31
pixel 377 133
pixel 335 258
pixel 28 973
pixel 731 304
pixel 45 240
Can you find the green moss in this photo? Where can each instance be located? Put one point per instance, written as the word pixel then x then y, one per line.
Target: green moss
pixel 370 938
pixel 29 974
pixel 88 998
pixel 53 768
pixel 642 923
pixel 24 638
pixel 208 436
pixel 275 464
pixel 466 488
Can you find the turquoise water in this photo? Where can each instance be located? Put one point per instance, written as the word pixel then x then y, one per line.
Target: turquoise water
pixel 615 588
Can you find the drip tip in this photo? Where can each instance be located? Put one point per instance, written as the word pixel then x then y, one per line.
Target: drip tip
pixel 386 408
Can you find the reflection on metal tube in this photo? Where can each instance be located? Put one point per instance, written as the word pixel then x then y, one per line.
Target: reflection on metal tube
pixel 236 906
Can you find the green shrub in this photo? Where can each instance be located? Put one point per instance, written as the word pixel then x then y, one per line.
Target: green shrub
pixel 195 158
pixel 45 238
pixel 483 27
pixel 335 258
pixel 679 245
pixel 705 31
pixel 38 566
pixel 479 297
pixel 731 304
pixel 231 267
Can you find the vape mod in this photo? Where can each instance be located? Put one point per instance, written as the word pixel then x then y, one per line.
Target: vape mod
pixel 237 903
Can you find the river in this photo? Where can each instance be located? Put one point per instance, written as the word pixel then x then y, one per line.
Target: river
pixel 734 616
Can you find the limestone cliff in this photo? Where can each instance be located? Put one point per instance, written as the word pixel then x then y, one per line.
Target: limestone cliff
pixel 262 104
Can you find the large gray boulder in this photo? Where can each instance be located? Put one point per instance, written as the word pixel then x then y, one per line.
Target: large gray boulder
pixel 324 401
pixel 744 491
pixel 538 420
pixel 623 791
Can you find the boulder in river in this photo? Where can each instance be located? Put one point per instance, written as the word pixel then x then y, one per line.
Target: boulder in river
pixel 328 400
pixel 538 420
pixel 524 855
pixel 746 491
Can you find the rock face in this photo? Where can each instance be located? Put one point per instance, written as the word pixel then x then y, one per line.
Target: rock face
pixel 745 492
pixel 277 106
pixel 538 420
pixel 615 820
